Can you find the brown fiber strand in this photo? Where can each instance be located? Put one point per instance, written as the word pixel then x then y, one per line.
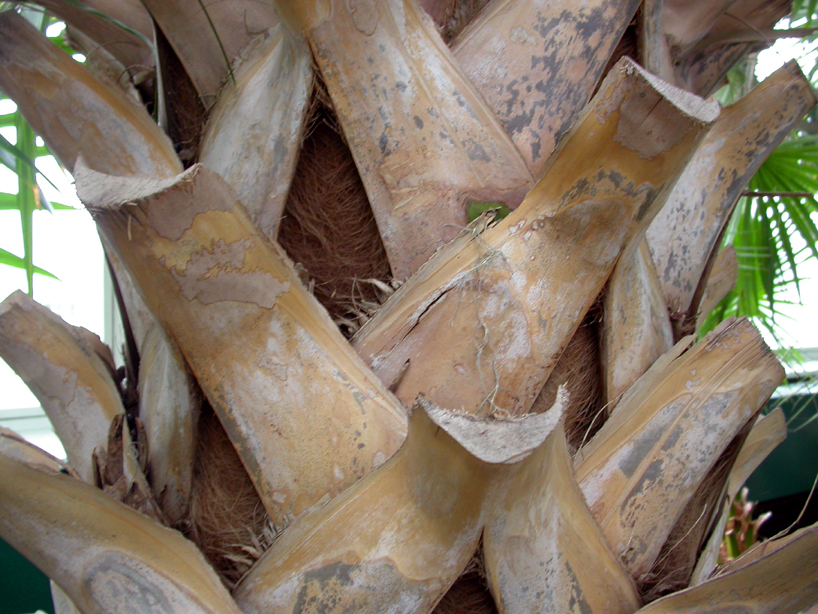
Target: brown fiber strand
pixel 675 564
pixel 227 520
pixel 579 369
pixel 328 227
pixel 469 594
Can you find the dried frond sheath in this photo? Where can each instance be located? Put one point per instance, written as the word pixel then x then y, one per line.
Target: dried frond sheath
pixel 15 447
pixel 646 462
pixel 424 140
pixel 538 63
pixel 130 50
pixel 674 566
pixel 684 236
pixel 73 384
pixel 785 581
pixel 543 550
pixel 255 129
pixel 208 36
pixel 396 540
pixel 654 53
pixel 100 552
pixel 169 403
pixel 702 67
pixel 483 323
pixel 722 279
pixel 121 469
pixel 636 328
pixel 62 602
pixel 305 414
pixel 766 434
pixel 76 113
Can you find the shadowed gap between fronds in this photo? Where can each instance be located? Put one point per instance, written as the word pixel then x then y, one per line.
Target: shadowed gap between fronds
pixel 227 520
pixel 328 227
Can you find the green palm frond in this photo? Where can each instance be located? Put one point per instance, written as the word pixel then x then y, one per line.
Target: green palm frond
pixel 20 159
pixel 773 231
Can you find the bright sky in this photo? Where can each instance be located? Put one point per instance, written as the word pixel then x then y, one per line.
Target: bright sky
pixel 799 322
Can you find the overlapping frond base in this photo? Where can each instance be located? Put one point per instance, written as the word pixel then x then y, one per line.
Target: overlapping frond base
pixel 342 396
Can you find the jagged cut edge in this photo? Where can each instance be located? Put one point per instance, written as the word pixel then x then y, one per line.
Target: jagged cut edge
pixel 695 107
pixel 498 441
pixel 101 191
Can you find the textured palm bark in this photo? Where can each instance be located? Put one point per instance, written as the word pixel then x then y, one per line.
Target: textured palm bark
pixel 72 383
pixel 393 542
pixel 169 404
pixel 14 447
pixel 166 396
pixel 129 49
pixel 652 43
pixel 686 22
pixel 105 556
pixel 424 141
pixel 684 236
pixel 720 281
pixel 538 63
pixel 782 582
pixel 542 548
pixel 255 130
pixel 74 112
pixel 636 329
pixel 645 463
pixel 702 67
pixel 767 433
pixel 208 36
pixel 396 540
pixel 483 323
pixel 286 385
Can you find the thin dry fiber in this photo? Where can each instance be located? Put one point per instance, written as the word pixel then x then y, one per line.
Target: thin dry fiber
pixel 328 227
pixel 226 520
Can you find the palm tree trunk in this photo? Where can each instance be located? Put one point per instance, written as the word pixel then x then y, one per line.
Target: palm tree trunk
pixel 367 475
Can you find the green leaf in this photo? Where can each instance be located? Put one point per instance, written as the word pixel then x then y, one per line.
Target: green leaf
pixel 477 208
pixel 9 259
pixel 10 156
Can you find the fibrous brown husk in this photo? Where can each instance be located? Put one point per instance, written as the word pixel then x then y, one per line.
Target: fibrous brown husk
pixel 227 520
pixel 327 226
pixel 579 369
pixel 470 593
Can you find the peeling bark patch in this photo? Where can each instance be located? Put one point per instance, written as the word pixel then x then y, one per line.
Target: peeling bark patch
pixel 364 15
pixel 198 191
pixel 576 600
pixel 376 586
pixel 115 586
pixel 216 275
pixel 537 98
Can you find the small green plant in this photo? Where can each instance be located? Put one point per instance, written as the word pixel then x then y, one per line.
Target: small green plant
pixel 741 532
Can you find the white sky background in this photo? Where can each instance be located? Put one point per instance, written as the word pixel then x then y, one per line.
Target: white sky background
pixel 800 322
pixel 66 244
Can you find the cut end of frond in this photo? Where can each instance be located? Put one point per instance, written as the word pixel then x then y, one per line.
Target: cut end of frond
pixel 100 191
pixel 695 107
pixel 499 441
